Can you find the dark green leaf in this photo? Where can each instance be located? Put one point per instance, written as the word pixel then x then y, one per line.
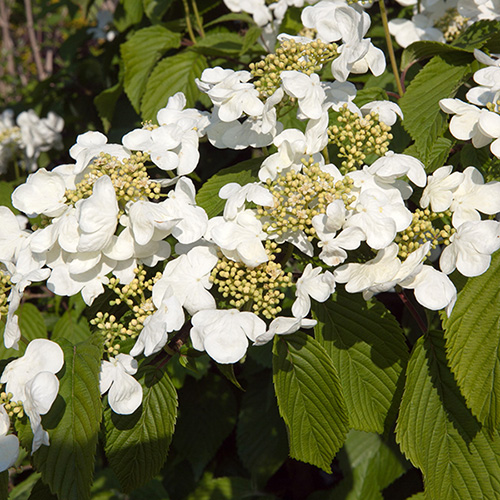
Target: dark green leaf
pixel 310 399
pixel 228 372
pixel 140 53
pixel 260 433
pixel 197 439
pixel 67 465
pixel 127 13
pixel 368 350
pixel 426 49
pixel 234 16
pixel 105 103
pixel 438 433
pixel 250 40
pixel 41 492
pixel 171 75
pixel 156 9
pixel 71 327
pixel 370 94
pixel 473 344
pixel 242 173
pixel 478 35
pixel 223 44
pixel 137 444
pixel 222 488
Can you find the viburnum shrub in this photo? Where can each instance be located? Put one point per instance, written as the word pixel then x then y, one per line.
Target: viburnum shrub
pixel 294 239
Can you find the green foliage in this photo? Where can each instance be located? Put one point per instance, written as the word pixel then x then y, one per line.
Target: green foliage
pixel 136 445
pixel 67 465
pixel 222 488
pixel 368 350
pixel 473 343
pixel 172 75
pixel 242 173
pixel 310 399
pixel 140 53
pixel 438 433
pixel 424 120
pixel 71 327
pixel 260 432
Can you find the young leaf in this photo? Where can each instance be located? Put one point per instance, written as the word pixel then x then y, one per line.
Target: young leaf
pixel 242 173
pixel 439 79
pixel 260 433
pixel 73 422
pixel 438 433
pixel 140 53
pixel 368 350
pixel 137 445
pixel 171 75
pixel 473 344
pixel 310 399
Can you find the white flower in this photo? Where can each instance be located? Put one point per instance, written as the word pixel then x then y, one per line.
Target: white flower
pixel 31 379
pixel 125 393
pixel 9 444
pixel 387 111
pixel 473 196
pixel 440 187
pixel 307 89
pixel 420 27
pixel 42 193
pixel 471 248
pixel 97 216
pixel 312 284
pixel 283 326
pixel 237 195
pixel 92 144
pixel 390 167
pixel 189 277
pixel 224 334
pixel 168 318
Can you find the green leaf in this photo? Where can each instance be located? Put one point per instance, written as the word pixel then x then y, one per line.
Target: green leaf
pixel 368 350
pixel 473 344
pixel 156 9
pixel 310 399
pixel 478 35
pixel 4 485
pixel 425 49
pixel 73 422
pixel 370 94
pixel 233 16
pixel 250 40
pixel 242 173
pixel 369 465
pixel 137 444
pixel 6 189
pixel 260 433
pixel 423 118
pixel 171 75
pixel 438 433
pixel 105 103
pixel 197 439
pixel 228 372
pixel 22 490
pixel 140 53
pixel 41 492
pixel 71 327
pixel 127 13
pixel 222 488
pixel 219 44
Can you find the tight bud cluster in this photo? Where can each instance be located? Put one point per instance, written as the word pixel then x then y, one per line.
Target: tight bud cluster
pixel 5 286
pixel 128 176
pixel 299 196
pixel 259 289
pixel 290 56
pixel 13 408
pixel 357 137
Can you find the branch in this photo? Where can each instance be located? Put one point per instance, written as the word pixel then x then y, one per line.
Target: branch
pixel 33 42
pixel 8 44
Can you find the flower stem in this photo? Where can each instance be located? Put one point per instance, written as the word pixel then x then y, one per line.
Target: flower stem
pixel 188 21
pixel 390 48
pixel 201 31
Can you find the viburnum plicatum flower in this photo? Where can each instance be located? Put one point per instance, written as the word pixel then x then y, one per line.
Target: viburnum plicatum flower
pixel 224 334
pixel 125 393
pixel 9 443
pixel 31 379
pixel 440 187
pixel 471 247
pixel 283 326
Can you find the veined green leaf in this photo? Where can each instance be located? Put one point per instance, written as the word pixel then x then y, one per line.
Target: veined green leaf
pixel 426 49
pixel 310 399
pixel 105 103
pixel 171 75
pixel 439 79
pixel 140 53
pixel 127 13
pixel 369 465
pixel 223 44
pixel 260 432
pixel 438 433
pixel 479 34
pixel 473 344
pixel 73 422
pixel 242 173
pixel 369 352
pixel 370 94
pixel 137 444
pixel 71 327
